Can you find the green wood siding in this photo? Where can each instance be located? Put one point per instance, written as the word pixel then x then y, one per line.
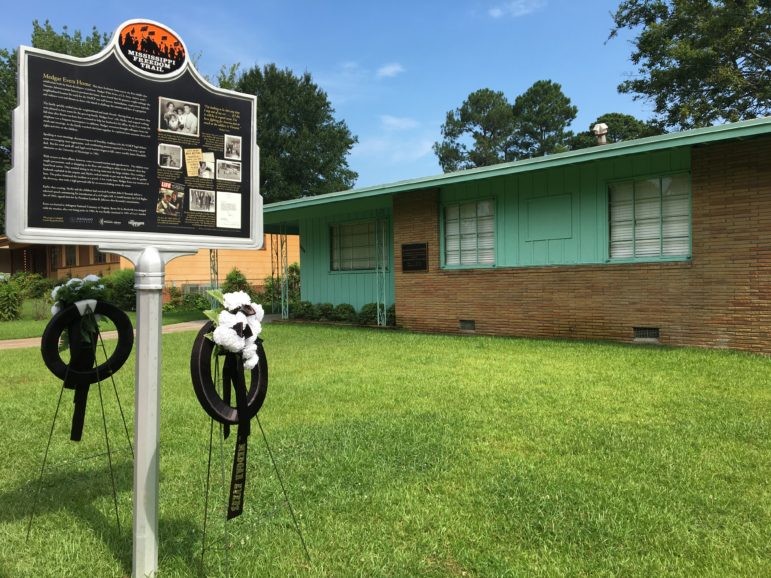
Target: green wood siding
pixel 559 216
pixel 319 284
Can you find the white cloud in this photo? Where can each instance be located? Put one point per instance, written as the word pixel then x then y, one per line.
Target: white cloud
pixel 515 8
pixel 389 70
pixel 392 123
pixel 393 151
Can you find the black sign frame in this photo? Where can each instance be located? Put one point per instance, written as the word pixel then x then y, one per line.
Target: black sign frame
pixel 131 148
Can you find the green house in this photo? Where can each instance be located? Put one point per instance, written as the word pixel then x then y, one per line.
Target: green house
pixel 664 239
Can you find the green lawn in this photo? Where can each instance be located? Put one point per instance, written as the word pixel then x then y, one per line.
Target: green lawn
pixel 418 455
pixel 36 313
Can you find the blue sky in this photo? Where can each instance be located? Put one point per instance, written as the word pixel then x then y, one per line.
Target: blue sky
pixel 391 70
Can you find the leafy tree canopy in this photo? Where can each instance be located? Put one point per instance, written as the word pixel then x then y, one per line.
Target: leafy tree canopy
pixel 621 127
pixel 478 133
pixel 303 148
pixel 543 114
pixel 487 129
pixel 700 62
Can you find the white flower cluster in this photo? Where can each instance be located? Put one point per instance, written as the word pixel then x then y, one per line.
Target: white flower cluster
pixel 238 326
pixel 75 290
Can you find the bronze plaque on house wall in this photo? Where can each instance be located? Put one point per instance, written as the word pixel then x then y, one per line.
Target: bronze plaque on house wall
pixel 415 257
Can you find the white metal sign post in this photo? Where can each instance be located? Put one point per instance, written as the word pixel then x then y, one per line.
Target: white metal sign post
pixel 145 159
pixel 149 276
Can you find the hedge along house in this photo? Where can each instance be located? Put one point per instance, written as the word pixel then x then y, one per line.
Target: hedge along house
pixel 666 238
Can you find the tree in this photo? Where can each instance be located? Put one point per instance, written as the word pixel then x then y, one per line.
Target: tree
pixel 303 148
pixel 485 119
pixel 700 61
pixel 621 127
pixel 542 114
pixel 487 129
pixel 46 38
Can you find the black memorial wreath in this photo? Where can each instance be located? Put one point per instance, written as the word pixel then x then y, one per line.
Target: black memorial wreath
pixel 69 318
pixel 82 369
pixel 218 406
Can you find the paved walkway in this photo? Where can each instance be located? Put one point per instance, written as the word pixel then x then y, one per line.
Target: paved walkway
pixel 174 328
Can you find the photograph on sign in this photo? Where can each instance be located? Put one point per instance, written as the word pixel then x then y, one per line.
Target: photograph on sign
pixel 232 147
pixel 176 116
pixel 202 200
pixel 119 148
pixel 170 156
pixel 229 171
pixel 206 166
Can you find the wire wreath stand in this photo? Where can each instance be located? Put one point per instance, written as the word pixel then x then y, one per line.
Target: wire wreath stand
pixel 218 376
pixel 85 343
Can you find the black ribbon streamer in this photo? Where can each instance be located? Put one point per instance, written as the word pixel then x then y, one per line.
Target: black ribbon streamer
pixel 248 401
pixel 233 375
pixel 82 358
pixel 82 369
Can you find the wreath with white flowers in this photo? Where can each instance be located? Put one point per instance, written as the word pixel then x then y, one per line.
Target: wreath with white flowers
pixel 78 309
pixel 232 335
pixel 87 292
pixel 238 324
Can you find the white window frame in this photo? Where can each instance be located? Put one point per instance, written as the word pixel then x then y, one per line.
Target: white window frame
pixel 649 219
pixel 468 233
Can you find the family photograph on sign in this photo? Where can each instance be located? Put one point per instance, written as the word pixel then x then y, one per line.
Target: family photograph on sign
pixel 178 116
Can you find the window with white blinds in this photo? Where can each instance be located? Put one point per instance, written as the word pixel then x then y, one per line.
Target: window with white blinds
pixel 650 218
pixel 469 233
pixel 352 246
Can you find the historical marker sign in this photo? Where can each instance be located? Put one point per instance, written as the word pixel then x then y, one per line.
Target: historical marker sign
pixel 132 148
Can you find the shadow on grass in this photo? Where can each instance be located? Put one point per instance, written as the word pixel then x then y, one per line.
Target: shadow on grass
pixel 75 492
pixel 78 493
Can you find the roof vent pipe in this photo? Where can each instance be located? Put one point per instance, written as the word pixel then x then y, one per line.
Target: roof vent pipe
pixel 600 130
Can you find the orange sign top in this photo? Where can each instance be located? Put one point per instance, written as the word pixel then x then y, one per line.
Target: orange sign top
pixel 151 48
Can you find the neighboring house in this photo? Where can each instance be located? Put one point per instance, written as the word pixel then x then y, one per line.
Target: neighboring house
pixel 190 274
pixel 664 239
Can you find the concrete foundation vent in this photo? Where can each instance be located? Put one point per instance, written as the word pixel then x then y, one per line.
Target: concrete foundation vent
pixel 646 334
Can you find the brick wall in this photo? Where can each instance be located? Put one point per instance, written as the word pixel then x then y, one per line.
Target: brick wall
pixel 721 298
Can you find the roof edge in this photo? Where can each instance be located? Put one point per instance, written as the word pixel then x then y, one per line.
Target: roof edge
pixel 728 131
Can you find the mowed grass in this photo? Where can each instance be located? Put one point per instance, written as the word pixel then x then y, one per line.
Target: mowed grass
pixel 416 455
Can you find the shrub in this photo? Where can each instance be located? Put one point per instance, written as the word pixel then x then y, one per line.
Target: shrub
pixel 271 289
pixel 120 289
pixel 368 314
pixel 345 312
pixel 33 285
pixel 10 300
pixel 175 298
pixel 237 281
pixel 195 302
pixel 391 315
pixel 325 311
pixel 303 310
